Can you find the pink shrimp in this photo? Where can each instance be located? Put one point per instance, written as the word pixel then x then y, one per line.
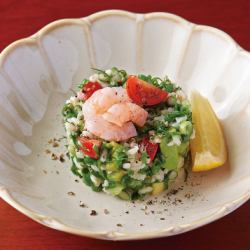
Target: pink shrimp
pixel 123 112
pixel 109 131
pixel 109 114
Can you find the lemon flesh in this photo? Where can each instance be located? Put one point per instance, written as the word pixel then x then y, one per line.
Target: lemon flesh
pixel 208 148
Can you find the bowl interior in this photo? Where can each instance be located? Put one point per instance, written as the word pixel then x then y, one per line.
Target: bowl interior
pixel 36 77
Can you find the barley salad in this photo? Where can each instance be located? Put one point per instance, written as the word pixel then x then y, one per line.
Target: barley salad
pixel 128 135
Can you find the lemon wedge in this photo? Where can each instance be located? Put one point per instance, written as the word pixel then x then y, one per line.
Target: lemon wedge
pixel 208 148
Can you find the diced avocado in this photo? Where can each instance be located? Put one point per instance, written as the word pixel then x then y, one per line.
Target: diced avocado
pixel 116 176
pixel 171 162
pixel 170 155
pixel 111 166
pixel 113 144
pixel 118 155
pixel 115 190
pixel 183 148
pixel 158 188
pixel 124 196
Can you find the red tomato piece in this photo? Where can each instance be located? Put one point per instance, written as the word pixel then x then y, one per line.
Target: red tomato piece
pixel 88 146
pixel 149 147
pixel 88 90
pixel 144 93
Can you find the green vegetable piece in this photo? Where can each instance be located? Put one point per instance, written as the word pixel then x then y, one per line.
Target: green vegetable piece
pixel 115 190
pixel 170 155
pixel 182 149
pixel 169 87
pixel 96 189
pixel 135 184
pixel 119 155
pixel 186 128
pixel 158 188
pixel 86 179
pixel 144 157
pixel 116 176
pixel 185 106
pixel 171 100
pixel 124 196
pixel 170 117
pixel 84 81
pixel 75 170
pixel 112 166
pixel 114 145
pixel 68 111
pixel 103 77
pixel 129 182
pixel 145 78
pixel 72 149
pixel 156 168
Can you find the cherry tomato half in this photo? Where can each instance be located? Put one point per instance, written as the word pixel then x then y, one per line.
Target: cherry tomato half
pixel 88 90
pixel 88 147
pixel 149 147
pixel 144 93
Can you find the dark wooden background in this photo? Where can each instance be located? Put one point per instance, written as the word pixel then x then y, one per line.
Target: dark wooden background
pixel 21 18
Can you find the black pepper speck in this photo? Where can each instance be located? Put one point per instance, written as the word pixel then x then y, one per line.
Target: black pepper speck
pixel 93 213
pixel 106 211
pixel 82 204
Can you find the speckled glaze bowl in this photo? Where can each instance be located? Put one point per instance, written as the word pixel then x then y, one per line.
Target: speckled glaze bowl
pixel 36 75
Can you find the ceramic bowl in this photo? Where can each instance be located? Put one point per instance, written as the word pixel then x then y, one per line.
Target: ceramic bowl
pixel 36 75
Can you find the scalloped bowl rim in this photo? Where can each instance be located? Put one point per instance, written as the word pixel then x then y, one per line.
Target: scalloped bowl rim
pixel 51 222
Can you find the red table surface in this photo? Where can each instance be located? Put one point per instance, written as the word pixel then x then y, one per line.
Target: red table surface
pixel 22 18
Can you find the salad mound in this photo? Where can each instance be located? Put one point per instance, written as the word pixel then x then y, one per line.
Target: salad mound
pixel 128 135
